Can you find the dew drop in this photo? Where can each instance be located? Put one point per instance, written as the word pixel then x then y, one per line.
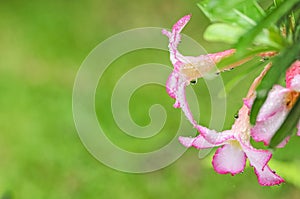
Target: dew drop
pixel 193 82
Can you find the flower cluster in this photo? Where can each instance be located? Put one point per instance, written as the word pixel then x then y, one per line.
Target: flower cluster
pixel 235 147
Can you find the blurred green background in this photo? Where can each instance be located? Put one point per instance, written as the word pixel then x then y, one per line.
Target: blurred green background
pixel 42 44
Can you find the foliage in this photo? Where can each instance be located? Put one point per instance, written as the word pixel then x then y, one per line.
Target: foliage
pixel 252 30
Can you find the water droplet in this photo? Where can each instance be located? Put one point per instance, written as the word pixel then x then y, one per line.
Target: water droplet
pixel 263 59
pixel 193 82
pixel 236 116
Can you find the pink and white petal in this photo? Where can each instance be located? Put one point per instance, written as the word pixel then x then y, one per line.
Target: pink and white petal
pixel 183 104
pixel 248 102
pixel 258 158
pixel 284 142
pixel 264 130
pixel 217 57
pixel 295 83
pixel 174 39
pixel 172 84
pixel 186 141
pixel 198 142
pixel 229 159
pixel 214 137
pixel 298 133
pixel 290 74
pixel 177 28
pixel 275 102
pixel 267 177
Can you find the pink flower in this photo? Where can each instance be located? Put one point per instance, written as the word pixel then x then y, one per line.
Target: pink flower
pixel 236 148
pixel 187 68
pixel 277 106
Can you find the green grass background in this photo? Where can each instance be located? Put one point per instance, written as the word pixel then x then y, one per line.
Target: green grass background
pixel 42 44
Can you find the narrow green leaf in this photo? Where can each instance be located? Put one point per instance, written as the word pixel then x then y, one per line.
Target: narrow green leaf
pixel 280 64
pixel 288 125
pixel 272 18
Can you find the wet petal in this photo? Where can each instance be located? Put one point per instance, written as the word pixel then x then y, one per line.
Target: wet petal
pixel 173 83
pixel 284 142
pixel 217 57
pixel 293 71
pixel 298 126
pixel 275 102
pixel 175 38
pixel 198 142
pixel 229 159
pixel 264 130
pixel 248 102
pixel 214 137
pixel 295 83
pixel 267 177
pixel 258 158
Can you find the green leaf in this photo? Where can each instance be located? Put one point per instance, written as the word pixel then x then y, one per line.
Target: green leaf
pixel 247 39
pixel 288 125
pixel 280 64
pixel 234 12
pixel 221 32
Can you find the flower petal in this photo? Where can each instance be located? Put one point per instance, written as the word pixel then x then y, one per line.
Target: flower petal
pixel 267 177
pixel 229 159
pixel 216 57
pixel 174 39
pixel 275 102
pixel 182 103
pixel 284 142
pixel 214 137
pixel 291 73
pixel 173 83
pixel 198 142
pixel 258 158
pixel 248 102
pixel 264 130
pixel 298 133
pixel 295 83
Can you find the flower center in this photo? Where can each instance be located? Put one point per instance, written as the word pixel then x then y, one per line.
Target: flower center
pixel 291 99
pixel 193 71
pixel 235 143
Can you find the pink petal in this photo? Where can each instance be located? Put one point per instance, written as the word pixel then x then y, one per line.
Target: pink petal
pixel 258 158
pixel 229 159
pixel 174 38
pixel 298 133
pixel 295 83
pixel 214 137
pixel 186 141
pixel 264 130
pixel 173 83
pixel 182 103
pixel 198 142
pixel 275 102
pixel 248 102
pixel 284 142
pixel 291 73
pixel 267 177
pixel 216 57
